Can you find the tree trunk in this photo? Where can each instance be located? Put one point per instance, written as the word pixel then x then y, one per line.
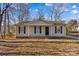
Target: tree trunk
pixel 5 25
pixel 8 22
pixel 1 17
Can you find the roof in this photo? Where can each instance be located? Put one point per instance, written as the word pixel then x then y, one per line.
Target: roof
pixel 45 21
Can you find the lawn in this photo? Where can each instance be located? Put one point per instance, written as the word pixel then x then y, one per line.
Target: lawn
pixel 39 47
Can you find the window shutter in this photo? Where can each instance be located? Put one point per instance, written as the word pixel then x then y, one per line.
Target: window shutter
pixel 24 29
pixel 61 29
pixel 40 29
pixel 19 30
pixel 35 29
pixel 55 29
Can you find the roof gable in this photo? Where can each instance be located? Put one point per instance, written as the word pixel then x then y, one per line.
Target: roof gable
pixel 39 22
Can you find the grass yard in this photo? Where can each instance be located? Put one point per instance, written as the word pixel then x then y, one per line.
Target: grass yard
pixel 39 47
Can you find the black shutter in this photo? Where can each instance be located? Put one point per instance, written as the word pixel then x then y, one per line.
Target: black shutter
pixel 19 29
pixel 61 29
pixel 35 29
pixel 55 29
pixel 24 29
pixel 40 29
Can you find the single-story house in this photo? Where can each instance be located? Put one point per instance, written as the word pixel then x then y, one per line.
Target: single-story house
pixel 40 28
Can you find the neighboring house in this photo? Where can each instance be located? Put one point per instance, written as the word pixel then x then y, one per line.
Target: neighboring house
pixel 40 28
pixel 75 28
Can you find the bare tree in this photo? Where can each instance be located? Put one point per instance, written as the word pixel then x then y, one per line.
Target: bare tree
pixel 8 21
pixel 50 9
pixel 40 14
pixel 55 11
pixel 23 11
pixel 10 13
pixel 14 13
pixel 58 11
pixel 4 24
pixel 3 8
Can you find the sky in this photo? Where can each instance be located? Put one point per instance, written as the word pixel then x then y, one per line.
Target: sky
pixel 71 10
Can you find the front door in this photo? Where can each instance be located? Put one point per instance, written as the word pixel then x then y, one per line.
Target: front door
pixel 46 30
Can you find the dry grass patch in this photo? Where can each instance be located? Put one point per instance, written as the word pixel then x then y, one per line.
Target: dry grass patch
pixel 39 47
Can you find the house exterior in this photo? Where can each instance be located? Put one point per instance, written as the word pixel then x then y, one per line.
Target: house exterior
pixel 40 28
pixel 75 28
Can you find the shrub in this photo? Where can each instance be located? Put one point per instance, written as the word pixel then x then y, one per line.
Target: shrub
pixel 10 34
pixel 68 29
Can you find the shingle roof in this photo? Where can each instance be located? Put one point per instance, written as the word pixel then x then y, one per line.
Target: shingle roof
pixel 50 22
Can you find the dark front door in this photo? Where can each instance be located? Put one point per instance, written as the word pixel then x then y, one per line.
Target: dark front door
pixel 46 30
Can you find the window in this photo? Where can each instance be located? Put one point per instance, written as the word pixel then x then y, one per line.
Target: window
pixel 19 29
pixel 58 29
pixel 35 29
pixel 55 29
pixel 24 29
